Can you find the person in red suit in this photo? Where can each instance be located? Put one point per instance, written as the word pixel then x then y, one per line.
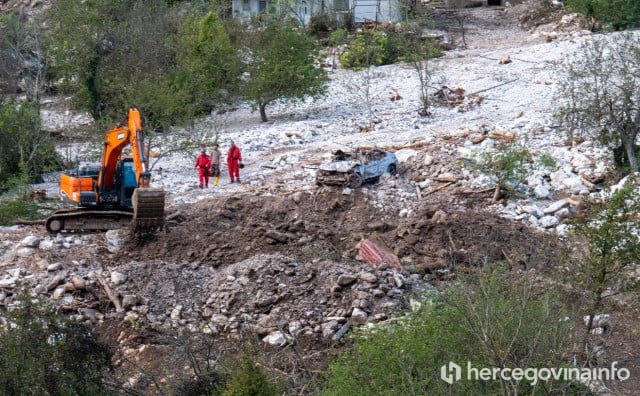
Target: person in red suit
pixel 234 162
pixel 203 164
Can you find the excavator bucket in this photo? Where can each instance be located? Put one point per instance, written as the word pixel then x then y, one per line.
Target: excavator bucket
pixel 148 209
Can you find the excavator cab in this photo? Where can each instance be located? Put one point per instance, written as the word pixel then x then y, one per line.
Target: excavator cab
pixel 125 182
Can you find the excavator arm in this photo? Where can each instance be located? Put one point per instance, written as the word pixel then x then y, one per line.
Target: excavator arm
pixel 114 142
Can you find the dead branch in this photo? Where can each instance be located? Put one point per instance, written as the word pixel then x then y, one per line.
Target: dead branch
pixel 28 222
pixel 109 292
pixel 447 179
pixel 495 86
pixel 486 190
pixel 438 188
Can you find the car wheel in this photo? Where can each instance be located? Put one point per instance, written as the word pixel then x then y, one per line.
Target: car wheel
pixel 391 169
pixel 355 180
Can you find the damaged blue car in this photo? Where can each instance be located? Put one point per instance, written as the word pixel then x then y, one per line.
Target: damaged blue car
pixel 353 169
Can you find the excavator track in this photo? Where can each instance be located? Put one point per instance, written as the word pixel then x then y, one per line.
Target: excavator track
pixel 79 220
pixel 147 216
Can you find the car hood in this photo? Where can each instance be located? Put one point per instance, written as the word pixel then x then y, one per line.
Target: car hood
pixel 339 166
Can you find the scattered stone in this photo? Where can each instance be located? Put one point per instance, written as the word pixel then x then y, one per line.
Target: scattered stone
pixel 556 206
pixel 358 316
pixel 548 221
pixel 346 280
pixel 368 277
pixel 118 278
pixel 31 241
pixel 277 338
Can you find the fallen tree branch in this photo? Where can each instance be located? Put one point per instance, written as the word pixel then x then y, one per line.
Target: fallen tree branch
pixel 28 222
pixel 438 188
pixel 486 190
pixel 495 86
pixel 109 292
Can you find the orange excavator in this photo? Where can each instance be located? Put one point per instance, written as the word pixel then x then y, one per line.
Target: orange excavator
pixel 114 194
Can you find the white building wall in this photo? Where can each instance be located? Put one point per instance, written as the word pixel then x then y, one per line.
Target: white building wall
pixel 374 10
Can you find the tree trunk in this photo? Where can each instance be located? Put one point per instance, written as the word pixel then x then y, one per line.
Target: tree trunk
pixel 263 113
pixel 631 153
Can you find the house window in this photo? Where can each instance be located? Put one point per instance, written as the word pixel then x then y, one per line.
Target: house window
pixel 245 5
pixel 341 5
pixel 262 5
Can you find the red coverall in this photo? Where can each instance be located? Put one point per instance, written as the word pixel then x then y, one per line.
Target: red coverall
pixel 233 160
pixel 203 163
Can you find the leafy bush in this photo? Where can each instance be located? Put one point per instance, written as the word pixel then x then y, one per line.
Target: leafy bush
pixel 26 149
pixel 375 48
pixel 487 319
pixel 320 25
pixel 249 379
pixel 366 49
pixel 41 353
pixel 338 37
pixel 13 209
pixel 605 263
pixel 508 167
pixel 612 14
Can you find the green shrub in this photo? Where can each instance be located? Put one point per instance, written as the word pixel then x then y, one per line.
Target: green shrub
pixel 44 354
pixel 508 167
pixel 320 25
pixel 14 209
pixel 487 319
pixel 366 49
pixel 375 48
pixel 338 37
pixel 26 149
pixel 248 378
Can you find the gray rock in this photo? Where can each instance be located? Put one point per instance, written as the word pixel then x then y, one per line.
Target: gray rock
pixel 118 278
pixel 129 300
pixel 556 206
pixel 329 328
pixel 277 338
pixel 54 267
pixel 341 332
pixel 368 277
pixel 346 280
pixel 8 282
pixel 30 241
pixel 548 221
pixel 47 244
pixel 541 192
pixel 358 316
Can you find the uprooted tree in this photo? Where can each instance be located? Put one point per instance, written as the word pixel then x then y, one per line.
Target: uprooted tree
pixel 601 94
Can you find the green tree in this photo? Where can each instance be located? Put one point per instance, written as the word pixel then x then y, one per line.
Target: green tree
pixel 607 250
pixel 23 56
pixel 419 53
pixel 115 54
pixel 209 65
pixel 601 93
pixel 26 149
pixel 281 65
pixel 41 353
pixel 613 14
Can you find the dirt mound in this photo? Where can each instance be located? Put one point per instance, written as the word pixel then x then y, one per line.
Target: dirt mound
pixel 331 225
